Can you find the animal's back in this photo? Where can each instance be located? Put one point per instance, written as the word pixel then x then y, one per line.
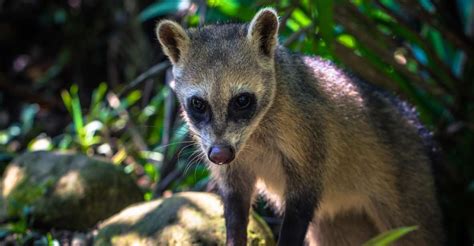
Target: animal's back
pixel 376 165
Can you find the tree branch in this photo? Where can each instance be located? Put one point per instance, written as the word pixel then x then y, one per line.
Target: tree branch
pixel 151 72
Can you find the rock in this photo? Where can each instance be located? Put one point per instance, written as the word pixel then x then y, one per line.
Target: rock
pixel 187 218
pixel 65 190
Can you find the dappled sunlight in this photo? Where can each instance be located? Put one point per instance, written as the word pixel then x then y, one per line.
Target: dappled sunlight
pixel 211 205
pixel 130 238
pixel 191 218
pixel 136 214
pixel 15 175
pixel 334 82
pixel 70 183
pixel 175 234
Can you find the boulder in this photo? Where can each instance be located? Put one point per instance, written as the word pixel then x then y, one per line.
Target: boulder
pixel 187 218
pixel 65 190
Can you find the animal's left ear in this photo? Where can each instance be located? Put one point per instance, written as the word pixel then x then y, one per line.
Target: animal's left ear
pixel 173 39
pixel 263 31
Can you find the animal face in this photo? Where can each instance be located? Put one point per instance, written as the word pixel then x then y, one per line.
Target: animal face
pixel 224 79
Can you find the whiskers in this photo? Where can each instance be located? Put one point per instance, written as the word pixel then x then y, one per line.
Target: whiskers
pixel 162 147
pixel 192 144
pixel 180 130
pixel 194 159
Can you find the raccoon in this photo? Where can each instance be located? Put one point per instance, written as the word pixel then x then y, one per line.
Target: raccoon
pixel 342 161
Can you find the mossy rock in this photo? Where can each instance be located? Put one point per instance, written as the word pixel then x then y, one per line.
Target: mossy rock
pixel 65 190
pixel 187 218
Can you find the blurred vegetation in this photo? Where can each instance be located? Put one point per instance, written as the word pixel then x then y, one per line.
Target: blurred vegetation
pixel 89 76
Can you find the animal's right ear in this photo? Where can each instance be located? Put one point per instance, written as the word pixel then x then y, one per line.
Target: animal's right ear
pixel 173 39
pixel 263 31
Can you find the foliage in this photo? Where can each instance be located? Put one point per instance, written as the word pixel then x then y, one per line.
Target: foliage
pixel 422 51
pixel 390 236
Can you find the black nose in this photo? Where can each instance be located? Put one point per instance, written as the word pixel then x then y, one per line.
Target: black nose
pixel 221 154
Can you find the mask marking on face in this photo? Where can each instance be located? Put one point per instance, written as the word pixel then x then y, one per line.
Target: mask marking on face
pixel 242 107
pixel 194 102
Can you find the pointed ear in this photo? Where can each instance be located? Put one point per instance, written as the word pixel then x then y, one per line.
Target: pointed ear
pixel 263 31
pixel 173 39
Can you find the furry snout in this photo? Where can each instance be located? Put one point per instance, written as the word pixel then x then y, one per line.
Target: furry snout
pixel 221 154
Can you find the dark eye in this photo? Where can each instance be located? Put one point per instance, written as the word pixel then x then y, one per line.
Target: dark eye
pixel 242 101
pixel 198 105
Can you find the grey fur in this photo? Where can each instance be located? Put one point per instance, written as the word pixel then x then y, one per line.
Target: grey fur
pixel 319 137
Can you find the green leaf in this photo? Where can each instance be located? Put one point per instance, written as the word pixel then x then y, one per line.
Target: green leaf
pixel 293 25
pixel 157 111
pixel 76 112
pixel 437 40
pixel 132 98
pixel 390 236
pixel 67 100
pixel 301 18
pixel 162 8
pixel 148 196
pixel 90 130
pixel 97 97
pixel 326 21
pixel 77 117
pixel 4 137
pixel 347 40
pixel 193 20
pixel 65 142
pixel 151 171
pixel 228 7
